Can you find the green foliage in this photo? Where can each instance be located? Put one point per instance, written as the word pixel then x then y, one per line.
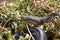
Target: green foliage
pixel 10 14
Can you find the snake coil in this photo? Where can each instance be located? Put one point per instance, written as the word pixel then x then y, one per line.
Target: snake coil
pixel 37 33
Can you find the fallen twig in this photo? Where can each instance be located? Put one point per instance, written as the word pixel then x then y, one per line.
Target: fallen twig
pixel 29 32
